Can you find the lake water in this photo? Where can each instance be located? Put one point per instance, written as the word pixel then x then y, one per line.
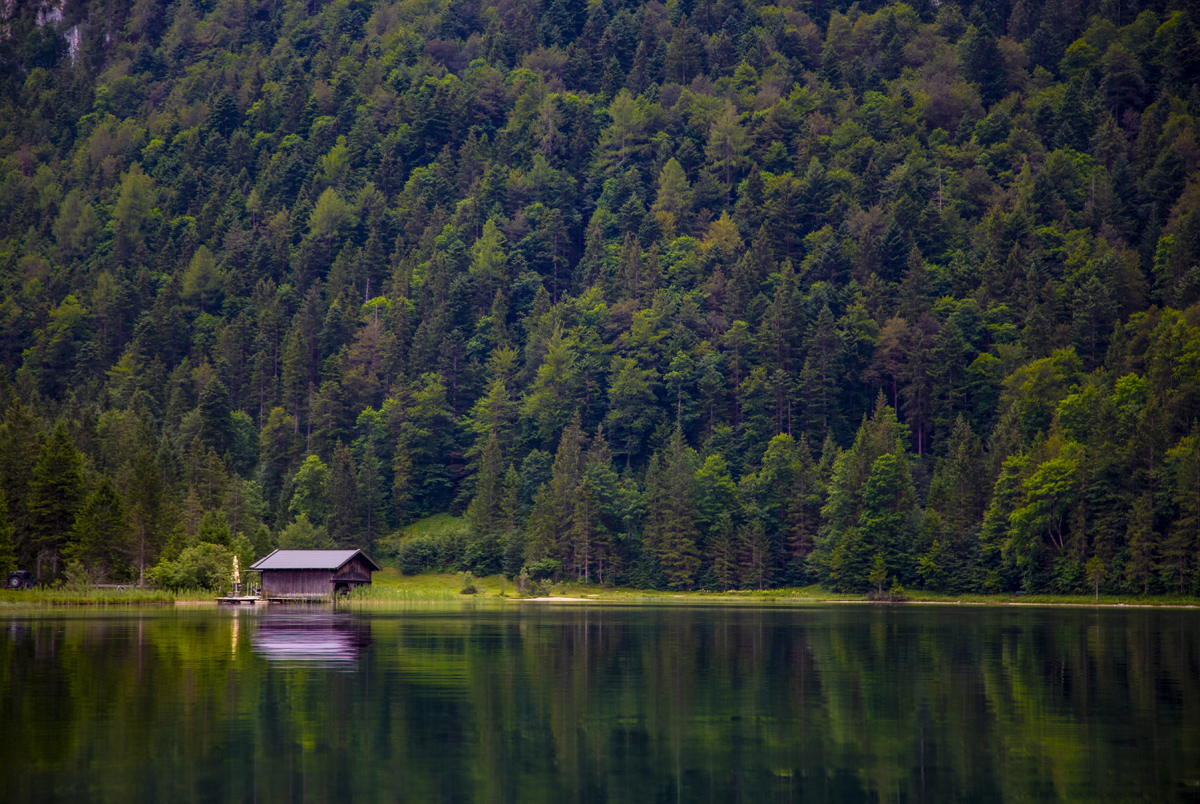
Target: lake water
pixel 556 703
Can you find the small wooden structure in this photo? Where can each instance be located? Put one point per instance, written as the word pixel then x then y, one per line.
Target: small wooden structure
pixel 238 600
pixel 313 574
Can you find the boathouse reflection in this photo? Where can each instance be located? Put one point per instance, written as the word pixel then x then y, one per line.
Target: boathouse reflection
pixel 311 639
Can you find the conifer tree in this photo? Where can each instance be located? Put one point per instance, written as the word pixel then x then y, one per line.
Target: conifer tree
pixel 56 491
pixel 671 529
pixel 99 532
pixel 727 147
pixel 1141 541
pixel 514 537
pixel 485 513
pixel 372 510
pixel 8 553
pixel 343 494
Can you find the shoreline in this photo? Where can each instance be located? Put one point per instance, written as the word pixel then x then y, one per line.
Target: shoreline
pixel 392 589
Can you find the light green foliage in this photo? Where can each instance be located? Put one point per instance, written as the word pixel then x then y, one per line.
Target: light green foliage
pixel 203 280
pixel 301 534
pixel 203 566
pixel 311 497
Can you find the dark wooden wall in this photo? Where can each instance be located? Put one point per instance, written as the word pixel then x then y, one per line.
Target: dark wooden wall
pixel 355 571
pixel 297 582
pixel 315 582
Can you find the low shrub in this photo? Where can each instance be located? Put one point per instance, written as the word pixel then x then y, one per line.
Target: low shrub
pixel 444 552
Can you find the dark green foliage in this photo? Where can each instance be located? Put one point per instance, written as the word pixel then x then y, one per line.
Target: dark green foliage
pixel 441 553
pixel 8 555
pixel 600 278
pixel 99 533
pixel 56 490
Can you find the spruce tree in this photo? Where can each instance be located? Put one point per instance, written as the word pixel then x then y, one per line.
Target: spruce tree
pixel 56 490
pixel 8 554
pixel 672 531
pixel 343 497
pixel 100 532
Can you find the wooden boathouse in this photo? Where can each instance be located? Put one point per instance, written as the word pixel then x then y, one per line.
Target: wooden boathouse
pixel 313 574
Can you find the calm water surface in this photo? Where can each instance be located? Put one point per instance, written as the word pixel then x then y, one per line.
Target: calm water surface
pixel 536 703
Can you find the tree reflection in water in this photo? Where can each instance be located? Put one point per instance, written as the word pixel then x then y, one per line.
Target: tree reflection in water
pixel 561 704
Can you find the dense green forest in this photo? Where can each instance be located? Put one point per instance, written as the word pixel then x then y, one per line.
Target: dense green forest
pixel 709 294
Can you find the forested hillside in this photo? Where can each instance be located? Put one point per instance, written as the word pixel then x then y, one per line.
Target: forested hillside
pixel 712 294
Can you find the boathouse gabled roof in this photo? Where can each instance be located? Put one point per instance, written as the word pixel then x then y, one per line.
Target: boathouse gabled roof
pixel 309 560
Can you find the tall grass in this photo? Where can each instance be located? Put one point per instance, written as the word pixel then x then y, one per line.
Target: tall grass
pixel 367 595
pixel 66 596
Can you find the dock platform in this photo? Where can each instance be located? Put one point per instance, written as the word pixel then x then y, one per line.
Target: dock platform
pixel 302 598
pixel 238 601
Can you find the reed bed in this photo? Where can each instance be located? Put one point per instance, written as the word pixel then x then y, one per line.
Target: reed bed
pixel 368 595
pixel 85 596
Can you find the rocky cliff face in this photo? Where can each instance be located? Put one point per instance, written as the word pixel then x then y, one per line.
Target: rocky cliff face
pixel 44 13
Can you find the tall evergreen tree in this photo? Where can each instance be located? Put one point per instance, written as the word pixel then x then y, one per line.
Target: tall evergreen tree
pixel 343 496
pixel 98 535
pixel 8 553
pixel 56 491
pixel 672 531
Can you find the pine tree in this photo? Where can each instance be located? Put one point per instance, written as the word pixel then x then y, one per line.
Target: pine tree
pixel 372 510
pixel 803 514
pixel 485 513
pixel 886 517
pixel 549 403
pixel 958 491
pixel 514 538
pixel 342 494
pixel 1141 542
pixel 723 552
pixel 585 532
pixel 727 146
pixel 55 493
pixel 671 529
pixel 145 506
pixel 8 553
pixel 756 555
pixel 99 533
pixel 552 519
pixel 822 370
pixel 20 445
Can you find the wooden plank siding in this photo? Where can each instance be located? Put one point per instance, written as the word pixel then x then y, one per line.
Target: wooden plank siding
pixel 285 582
pixel 354 572
pixel 312 574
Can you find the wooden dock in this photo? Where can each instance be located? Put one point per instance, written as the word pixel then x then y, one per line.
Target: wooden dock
pixel 238 601
pixel 298 598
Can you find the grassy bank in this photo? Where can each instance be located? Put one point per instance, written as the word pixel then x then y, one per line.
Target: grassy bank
pixel 39 598
pixel 390 587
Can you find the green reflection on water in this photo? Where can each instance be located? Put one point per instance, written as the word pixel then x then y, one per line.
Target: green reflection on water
pixel 532 703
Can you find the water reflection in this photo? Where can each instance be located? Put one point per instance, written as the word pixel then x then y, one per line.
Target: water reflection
pixel 310 638
pixel 595 704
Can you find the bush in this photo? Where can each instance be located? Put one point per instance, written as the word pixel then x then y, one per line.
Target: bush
pixel 894 595
pixel 527 586
pixel 79 577
pixel 445 552
pixel 203 566
pixel 545 569
pixel 468 584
